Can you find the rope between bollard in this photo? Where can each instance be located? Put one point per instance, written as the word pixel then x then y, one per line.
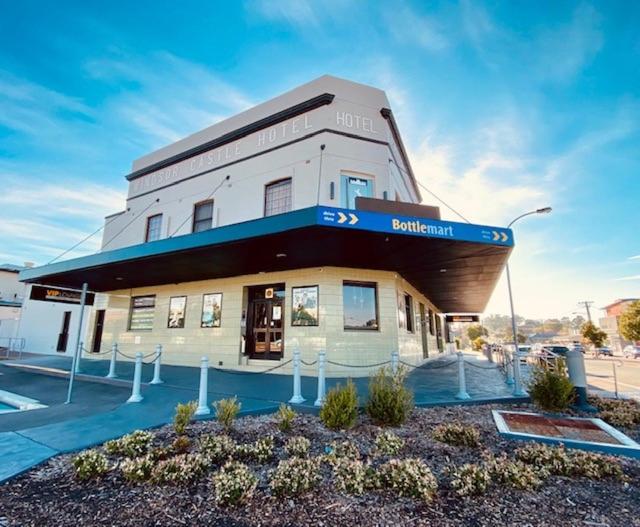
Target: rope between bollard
pixel 134 358
pixel 95 353
pixel 308 363
pixel 358 365
pixel 479 366
pixel 429 366
pixel 240 372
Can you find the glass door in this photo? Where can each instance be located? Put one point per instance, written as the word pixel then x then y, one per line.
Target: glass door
pixel 265 324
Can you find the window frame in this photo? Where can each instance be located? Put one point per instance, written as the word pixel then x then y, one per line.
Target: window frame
pixel 202 311
pixel 184 318
pixel 131 311
pixel 317 293
pixel 409 313
pixel 432 322
pixel 146 232
pixel 344 187
pixel 195 221
pixel 370 285
pixel 273 184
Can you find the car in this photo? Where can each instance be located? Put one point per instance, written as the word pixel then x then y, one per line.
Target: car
pixel 603 351
pixel 556 350
pixel 631 352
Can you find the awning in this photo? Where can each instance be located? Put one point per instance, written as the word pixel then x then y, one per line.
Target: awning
pixel 456 265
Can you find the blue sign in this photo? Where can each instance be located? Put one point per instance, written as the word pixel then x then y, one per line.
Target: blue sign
pixel 414 226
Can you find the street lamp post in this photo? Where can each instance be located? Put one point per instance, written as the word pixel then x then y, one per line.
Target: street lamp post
pixel 517 383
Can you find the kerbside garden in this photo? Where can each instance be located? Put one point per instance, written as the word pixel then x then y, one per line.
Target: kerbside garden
pixel 378 461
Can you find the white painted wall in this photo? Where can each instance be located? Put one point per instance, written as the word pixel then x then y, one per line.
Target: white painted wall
pixel 10 288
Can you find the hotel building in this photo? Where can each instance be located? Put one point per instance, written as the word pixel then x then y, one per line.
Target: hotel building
pixel 296 223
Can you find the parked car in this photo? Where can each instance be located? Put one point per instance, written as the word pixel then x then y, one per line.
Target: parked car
pixel 631 352
pixel 556 350
pixel 578 347
pixel 604 351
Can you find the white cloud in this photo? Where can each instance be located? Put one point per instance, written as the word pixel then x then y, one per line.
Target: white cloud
pixel 627 278
pixel 409 26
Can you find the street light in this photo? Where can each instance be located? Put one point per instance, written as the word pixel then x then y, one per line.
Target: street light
pixel 517 384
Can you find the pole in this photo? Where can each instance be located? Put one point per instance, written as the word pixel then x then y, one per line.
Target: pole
pixel 321 380
pixel 517 384
pixel 112 363
pixel 76 358
pixel 136 396
pixel 615 378
pixel 297 389
pixel 462 380
pixel 156 366
pixel 395 359
pixel 203 408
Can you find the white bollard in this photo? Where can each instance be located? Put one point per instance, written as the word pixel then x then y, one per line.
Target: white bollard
pixel 203 408
pixel 78 370
pixel 297 390
pixel 462 381
pixel 136 396
pixel 508 367
pixel 395 359
pixel 321 380
pixel 156 366
pixel 112 363
pixel 517 376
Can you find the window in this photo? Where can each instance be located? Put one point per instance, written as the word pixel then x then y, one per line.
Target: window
pixel 408 310
pixel 360 303
pixel 431 322
pixel 177 310
pixel 353 187
pixel 203 216
pixel 154 225
pixel 142 311
pixel 277 197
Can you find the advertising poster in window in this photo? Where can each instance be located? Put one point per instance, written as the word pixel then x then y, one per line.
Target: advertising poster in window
pixel 305 306
pixel 177 309
pixel 211 310
pixel 142 311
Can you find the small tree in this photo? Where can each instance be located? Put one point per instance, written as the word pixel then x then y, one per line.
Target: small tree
pixel 475 331
pixel 630 322
pixel 478 343
pixel 593 334
pixel 522 338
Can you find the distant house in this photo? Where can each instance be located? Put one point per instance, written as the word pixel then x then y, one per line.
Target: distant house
pixel 11 296
pixel 542 337
pixel 611 323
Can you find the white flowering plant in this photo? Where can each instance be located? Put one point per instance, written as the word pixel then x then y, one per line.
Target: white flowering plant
pixel 217 448
pixel 180 469
pixel 295 476
pixel 138 469
pixel 389 444
pixel 297 446
pixel 233 484
pixel 408 477
pixel 90 464
pixel 131 445
pixel 457 434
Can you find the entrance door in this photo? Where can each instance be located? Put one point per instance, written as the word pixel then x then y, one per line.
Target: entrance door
pixel 97 332
pixel 423 331
pixel 63 337
pixel 265 323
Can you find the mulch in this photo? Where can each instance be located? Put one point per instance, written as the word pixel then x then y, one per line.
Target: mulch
pixel 50 494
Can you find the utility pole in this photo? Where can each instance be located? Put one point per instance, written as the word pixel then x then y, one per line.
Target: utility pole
pixel 587 304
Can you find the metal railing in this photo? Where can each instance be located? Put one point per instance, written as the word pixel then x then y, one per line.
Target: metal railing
pixel 12 344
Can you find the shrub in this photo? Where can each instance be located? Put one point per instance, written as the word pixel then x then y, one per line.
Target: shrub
pixel 516 474
pixel 159 452
pixel 551 391
pixel 457 434
pixel 285 417
pixel 180 444
pixel 180 469
pixel 470 479
pixel 389 444
pixel 138 469
pixel 408 477
pixel 131 445
pixel 90 464
pixel 340 409
pixel 297 446
pixel 352 476
pixel 226 411
pixel 260 451
pixel 343 449
pixel 553 459
pixel 595 466
pixel 618 412
pixel 389 402
pixel 233 484
pixel 217 448
pixel 295 476
pixel 183 416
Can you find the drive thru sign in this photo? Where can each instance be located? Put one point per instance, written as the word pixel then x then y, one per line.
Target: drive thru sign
pixel 414 226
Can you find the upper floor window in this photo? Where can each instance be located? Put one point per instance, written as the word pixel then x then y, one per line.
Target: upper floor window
pixel 154 226
pixel 353 187
pixel 203 216
pixel 277 197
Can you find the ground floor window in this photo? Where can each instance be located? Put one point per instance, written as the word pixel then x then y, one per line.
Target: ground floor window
pixel 177 311
pixel 360 302
pixel 142 312
pixel 408 310
pixel 211 310
pixel 304 306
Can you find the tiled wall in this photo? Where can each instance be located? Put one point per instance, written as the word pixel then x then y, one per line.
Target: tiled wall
pixel 222 345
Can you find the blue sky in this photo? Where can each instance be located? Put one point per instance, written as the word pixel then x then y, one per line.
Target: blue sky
pixel 504 107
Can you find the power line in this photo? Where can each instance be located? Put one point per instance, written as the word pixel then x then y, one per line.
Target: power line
pixel 135 217
pixel 82 241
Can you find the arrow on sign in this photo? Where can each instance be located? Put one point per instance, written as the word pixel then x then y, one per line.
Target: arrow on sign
pixel 502 236
pixel 342 217
pixel 354 219
pixel 496 235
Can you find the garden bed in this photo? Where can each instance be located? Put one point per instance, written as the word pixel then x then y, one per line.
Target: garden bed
pixel 51 494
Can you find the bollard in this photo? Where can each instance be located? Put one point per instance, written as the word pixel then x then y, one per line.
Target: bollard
pixel 203 408
pixel 136 396
pixel 615 379
pixel 112 363
pixel 517 376
pixel 297 390
pixel 462 381
pixel 395 359
pixel 507 367
pixel 156 366
pixel 78 370
pixel 578 376
pixel 321 380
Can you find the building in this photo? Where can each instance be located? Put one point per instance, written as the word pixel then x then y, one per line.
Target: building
pixel 611 323
pixel 295 224
pixel 11 296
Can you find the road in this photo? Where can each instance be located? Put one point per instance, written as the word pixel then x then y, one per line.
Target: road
pixel 600 375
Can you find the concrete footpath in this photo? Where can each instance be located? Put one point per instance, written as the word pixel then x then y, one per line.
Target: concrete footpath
pixel 99 411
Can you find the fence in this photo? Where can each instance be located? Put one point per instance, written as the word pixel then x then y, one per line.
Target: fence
pixel 10 345
pixel 613 377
